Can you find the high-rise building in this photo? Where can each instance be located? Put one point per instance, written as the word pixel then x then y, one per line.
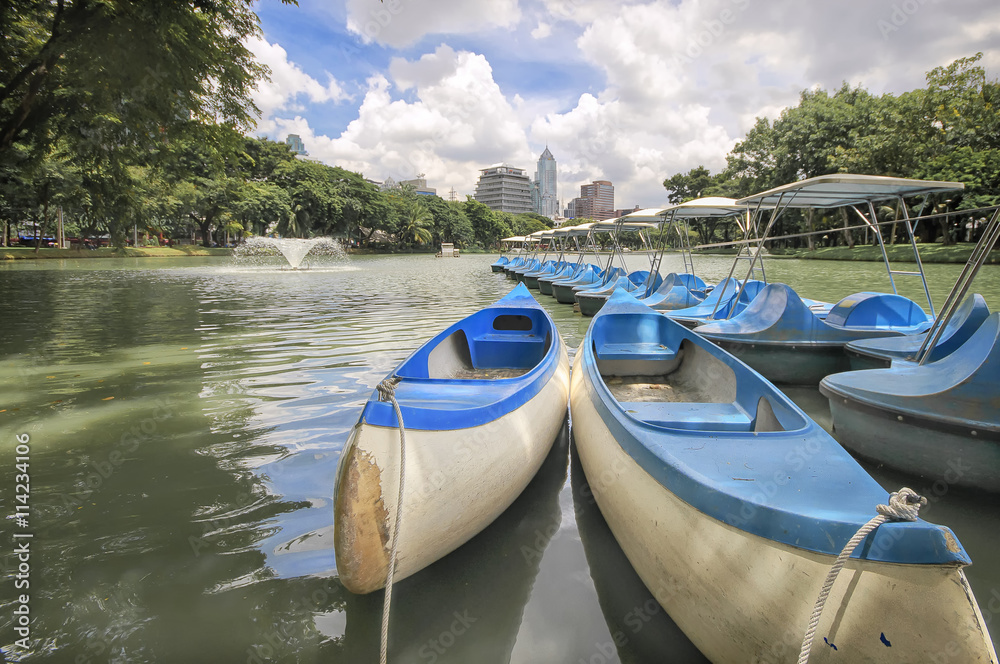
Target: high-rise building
pixel 601 200
pixel 504 188
pixel 294 141
pixel 545 177
pixel 596 201
pixel 419 185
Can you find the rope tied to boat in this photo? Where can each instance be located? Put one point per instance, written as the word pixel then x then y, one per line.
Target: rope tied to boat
pixel 387 392
pixel 904 505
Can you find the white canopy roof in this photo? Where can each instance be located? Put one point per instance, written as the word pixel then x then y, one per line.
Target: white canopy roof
pixel 710 206
pixel 830 191
pixel 620 224
pixel 513 238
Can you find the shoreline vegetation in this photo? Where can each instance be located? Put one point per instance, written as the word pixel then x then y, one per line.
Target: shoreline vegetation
pixel 931 253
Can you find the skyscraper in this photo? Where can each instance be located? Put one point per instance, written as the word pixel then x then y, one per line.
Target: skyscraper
pixel 504 188
pixel 601 196
pixel 545 176
pixel 294 141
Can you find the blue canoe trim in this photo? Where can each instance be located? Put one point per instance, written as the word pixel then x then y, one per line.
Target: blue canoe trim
pixel 445 404
pixel 798 487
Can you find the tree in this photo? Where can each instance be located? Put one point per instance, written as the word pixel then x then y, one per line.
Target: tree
pixel 416 222
pixel 487 227
pixel 123 71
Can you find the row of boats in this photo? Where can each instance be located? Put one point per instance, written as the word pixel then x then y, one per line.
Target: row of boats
pixel 730 503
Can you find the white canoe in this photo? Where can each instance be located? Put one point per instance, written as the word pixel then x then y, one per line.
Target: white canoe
pixel 732 506
pixel 481 402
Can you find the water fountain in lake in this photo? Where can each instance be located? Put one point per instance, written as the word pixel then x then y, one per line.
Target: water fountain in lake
pixel 294 250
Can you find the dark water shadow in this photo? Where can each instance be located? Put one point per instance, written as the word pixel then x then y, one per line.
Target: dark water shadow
pixel 467 607
pixel 641 629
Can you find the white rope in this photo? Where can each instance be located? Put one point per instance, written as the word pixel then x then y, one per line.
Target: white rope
pixel 387 392
pixel 904 505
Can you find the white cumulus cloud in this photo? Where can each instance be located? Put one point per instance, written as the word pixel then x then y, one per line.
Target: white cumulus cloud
pixel 288 84
pixel 401 23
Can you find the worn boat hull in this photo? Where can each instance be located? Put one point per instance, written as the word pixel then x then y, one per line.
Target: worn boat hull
pixel 456 483
pixel 744 598
pixel 565 294
pixel 802 364
pixel 937 420
pixel 919 447
pixel 482 402
pixel 732 505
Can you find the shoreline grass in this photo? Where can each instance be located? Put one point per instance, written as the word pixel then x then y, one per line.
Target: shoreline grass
pixel 28 253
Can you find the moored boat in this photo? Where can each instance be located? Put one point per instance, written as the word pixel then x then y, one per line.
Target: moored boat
pixel 732 505
pixel 481 403
pixel 880 353
pixel 771 334
pixel 506 244
pixel 780 337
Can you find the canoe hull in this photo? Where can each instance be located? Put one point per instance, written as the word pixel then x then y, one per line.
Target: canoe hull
pixel 565 294
pixel 799 364
pixel 949 454
pixel 860 361
pixel 749 598
pixel 591 304
pixel 457 482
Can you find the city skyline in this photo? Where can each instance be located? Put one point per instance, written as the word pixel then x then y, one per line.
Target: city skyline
pixel 633 93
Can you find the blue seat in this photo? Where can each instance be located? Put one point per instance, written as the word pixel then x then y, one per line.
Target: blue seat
pixel 634 351
pixel 697 416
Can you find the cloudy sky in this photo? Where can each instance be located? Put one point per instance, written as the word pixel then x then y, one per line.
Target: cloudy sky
pixel 626 91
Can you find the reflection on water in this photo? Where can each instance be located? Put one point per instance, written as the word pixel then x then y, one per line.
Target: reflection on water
pixel 186 417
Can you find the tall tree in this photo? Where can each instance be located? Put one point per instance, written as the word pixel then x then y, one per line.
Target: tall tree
pixel 123 71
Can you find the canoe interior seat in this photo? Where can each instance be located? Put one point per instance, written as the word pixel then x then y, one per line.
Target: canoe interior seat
pixel 690 415
pixel 634 351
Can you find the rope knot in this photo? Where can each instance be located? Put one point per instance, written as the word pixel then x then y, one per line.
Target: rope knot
pixel 387 388
pixel 904 505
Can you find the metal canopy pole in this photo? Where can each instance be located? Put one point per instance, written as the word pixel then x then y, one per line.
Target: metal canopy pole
pixel 961 287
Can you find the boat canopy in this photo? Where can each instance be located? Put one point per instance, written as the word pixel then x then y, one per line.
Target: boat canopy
pixel 513 239
pixel 831 191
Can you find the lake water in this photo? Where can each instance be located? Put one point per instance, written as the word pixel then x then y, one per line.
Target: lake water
pixel 185 420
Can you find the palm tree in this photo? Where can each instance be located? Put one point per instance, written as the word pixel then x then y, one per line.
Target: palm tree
pixel 416 221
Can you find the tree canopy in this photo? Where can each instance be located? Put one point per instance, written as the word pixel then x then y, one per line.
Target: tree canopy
pixel 949 130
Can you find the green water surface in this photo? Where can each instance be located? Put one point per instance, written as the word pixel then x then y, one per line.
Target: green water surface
pixel 186 417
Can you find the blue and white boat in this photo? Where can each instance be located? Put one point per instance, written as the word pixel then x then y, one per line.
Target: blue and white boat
pixel 678 291
pixel 784 338
pixel 506 245
pixel 939 420
pixel 590 300
pixel 570 270
pixel 778 335
pixel 538 242
pixel 937 417
pixel 732 505
pixel 728 295
pixel 481 403
pixel 593 275
pixel 555 243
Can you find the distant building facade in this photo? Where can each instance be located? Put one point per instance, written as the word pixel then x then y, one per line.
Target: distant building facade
pixel 504 188
pixel 596 201
pixel 600 199
pixel 419 185
pixel 547 203
pixel 294 141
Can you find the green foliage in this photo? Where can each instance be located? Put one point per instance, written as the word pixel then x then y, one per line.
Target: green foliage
pixel 949 130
